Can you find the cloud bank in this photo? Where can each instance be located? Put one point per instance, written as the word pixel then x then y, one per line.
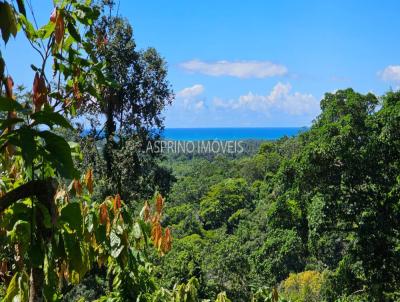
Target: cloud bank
pixel 239 69
pixel 390 73
pixel 189 96
pixel 280 98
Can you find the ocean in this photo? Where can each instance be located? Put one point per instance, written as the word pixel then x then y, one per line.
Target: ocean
pixel 196 134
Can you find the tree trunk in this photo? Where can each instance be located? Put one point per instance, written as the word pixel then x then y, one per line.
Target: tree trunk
pixel 109 135
pixel 36 285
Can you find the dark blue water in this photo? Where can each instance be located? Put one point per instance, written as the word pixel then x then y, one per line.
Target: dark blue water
pixel 229 133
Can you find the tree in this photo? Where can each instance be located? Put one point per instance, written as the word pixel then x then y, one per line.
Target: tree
pixel 48 219
pixel 349 168
pixel 224 199
pixel 130 108
pixel 280 254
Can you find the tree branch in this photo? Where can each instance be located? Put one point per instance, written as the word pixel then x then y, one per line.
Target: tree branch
pixel 42 189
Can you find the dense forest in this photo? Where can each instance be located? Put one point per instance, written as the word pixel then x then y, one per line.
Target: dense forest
pixel 88 214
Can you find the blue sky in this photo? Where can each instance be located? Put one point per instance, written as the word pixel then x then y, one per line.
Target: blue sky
pixel 257 63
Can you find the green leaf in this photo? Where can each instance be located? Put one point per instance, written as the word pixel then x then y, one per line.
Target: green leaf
pixel 12 289
pixel 59 154
pixel 8 23
pixel 46 215
pixel 7 104
pixel 50 119
pixel 28 26
pixel 115 252
pixel 72 215
pixel 73 32
pixel 2 66
pixel 137 232
pixel 73 251
pixel 21 7
pixel 21 232
pixel 25 139
pixel 115 241
pixel 45 31
pixel 9 122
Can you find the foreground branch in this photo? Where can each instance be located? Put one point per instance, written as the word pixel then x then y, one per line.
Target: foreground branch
pixel 42 189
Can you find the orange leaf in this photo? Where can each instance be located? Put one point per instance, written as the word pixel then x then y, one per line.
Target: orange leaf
pixel 104 214
pixel 39 91
pixel 159 203
pixel 60 27
pixel 76 91
pixel 145 213
pixel 156 235
pixel 9 87
pixel 77 187
pixel 117 202
pixel 167 241
pixel 89 180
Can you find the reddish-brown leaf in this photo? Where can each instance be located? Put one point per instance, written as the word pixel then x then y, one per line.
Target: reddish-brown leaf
pixel 146 211
pixel 39 91
pixel 167 241
pixel 77 187
pixel 159 203
pixel 89 180
pixel 156 235
pixel 103 213
pixel 3 268
pixel 117 202
pixel 9 87
pixel 60 27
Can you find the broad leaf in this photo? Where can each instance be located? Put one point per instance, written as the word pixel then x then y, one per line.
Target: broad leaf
pixel 59 154
pixel 50 119
pixel 7 104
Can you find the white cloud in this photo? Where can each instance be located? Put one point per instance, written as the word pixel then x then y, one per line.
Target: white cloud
pixel 191 92
pixel 199 105
pixel 189 97
pixel 390 73
pixel 239 69
pixel 280 98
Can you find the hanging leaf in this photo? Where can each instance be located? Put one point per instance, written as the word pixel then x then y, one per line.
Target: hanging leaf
pixel 156 235
pixel 12 289
pixel 25 139
pixel 77 187
pixel 50 119
pixel 59 154
pixel 117 202
pixel 159 203
pixel 8 104
pixel 73 251
pixel 103 213
pixel 39 92
pixel 145 212
pixel 8 23
pixel 60 27
pixel 73 32
pixel 137 231
pixel 9 84
pixel 72 215
pixel 89 180
pixel 167 241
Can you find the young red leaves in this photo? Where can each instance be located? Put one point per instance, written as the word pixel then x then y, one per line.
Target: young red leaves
pixel 39 91
pixel 57 18
pixel 89 180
